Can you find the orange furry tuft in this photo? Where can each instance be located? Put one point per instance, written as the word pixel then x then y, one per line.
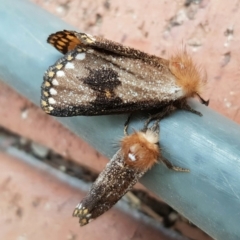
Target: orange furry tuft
pixel 189 76
pixel 141 150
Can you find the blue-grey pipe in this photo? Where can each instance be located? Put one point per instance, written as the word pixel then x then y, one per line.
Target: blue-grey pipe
pixel 209 196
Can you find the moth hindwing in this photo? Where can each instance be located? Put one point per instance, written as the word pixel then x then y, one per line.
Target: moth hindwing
pixel 138 152
pixel 98 76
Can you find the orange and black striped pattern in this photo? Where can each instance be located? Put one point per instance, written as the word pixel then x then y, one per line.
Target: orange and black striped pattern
pixel 64 41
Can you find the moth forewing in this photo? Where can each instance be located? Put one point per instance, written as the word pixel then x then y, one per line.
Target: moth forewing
pixel 90 82
pixel 111 185
pixel 98 76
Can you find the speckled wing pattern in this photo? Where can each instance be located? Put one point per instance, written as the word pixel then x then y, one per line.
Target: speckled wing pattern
pixel 101 77
pixel 111 185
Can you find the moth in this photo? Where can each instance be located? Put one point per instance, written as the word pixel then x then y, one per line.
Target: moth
pixel 97 76
pixel 138 153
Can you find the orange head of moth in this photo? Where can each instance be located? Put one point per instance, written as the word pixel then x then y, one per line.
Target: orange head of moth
pixel 141 149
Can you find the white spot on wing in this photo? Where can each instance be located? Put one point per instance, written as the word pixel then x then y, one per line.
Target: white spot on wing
pixel 55 82
pixel 79 206
pixel 60 73
pixel 80 56
pixel 51 101
pixel 69 65
pixel 53 91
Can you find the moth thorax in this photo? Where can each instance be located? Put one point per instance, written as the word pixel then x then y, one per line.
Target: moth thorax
pixel 140 150
pixel 189 76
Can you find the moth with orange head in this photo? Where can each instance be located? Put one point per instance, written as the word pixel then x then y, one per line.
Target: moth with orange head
pixel 98 76
pixel 138 153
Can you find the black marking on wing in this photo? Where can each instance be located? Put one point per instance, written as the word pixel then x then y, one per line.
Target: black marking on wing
pixel 102 80
pixel 107 107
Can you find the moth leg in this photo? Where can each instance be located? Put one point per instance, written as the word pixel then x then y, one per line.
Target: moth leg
pixel 126 124
pixel 189 109
pixel 160 115
pixel 205 102
pixel 184 106
pixel 172 167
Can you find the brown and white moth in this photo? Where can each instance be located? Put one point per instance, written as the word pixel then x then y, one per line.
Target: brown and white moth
pixel 98 76
pixel 138 152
